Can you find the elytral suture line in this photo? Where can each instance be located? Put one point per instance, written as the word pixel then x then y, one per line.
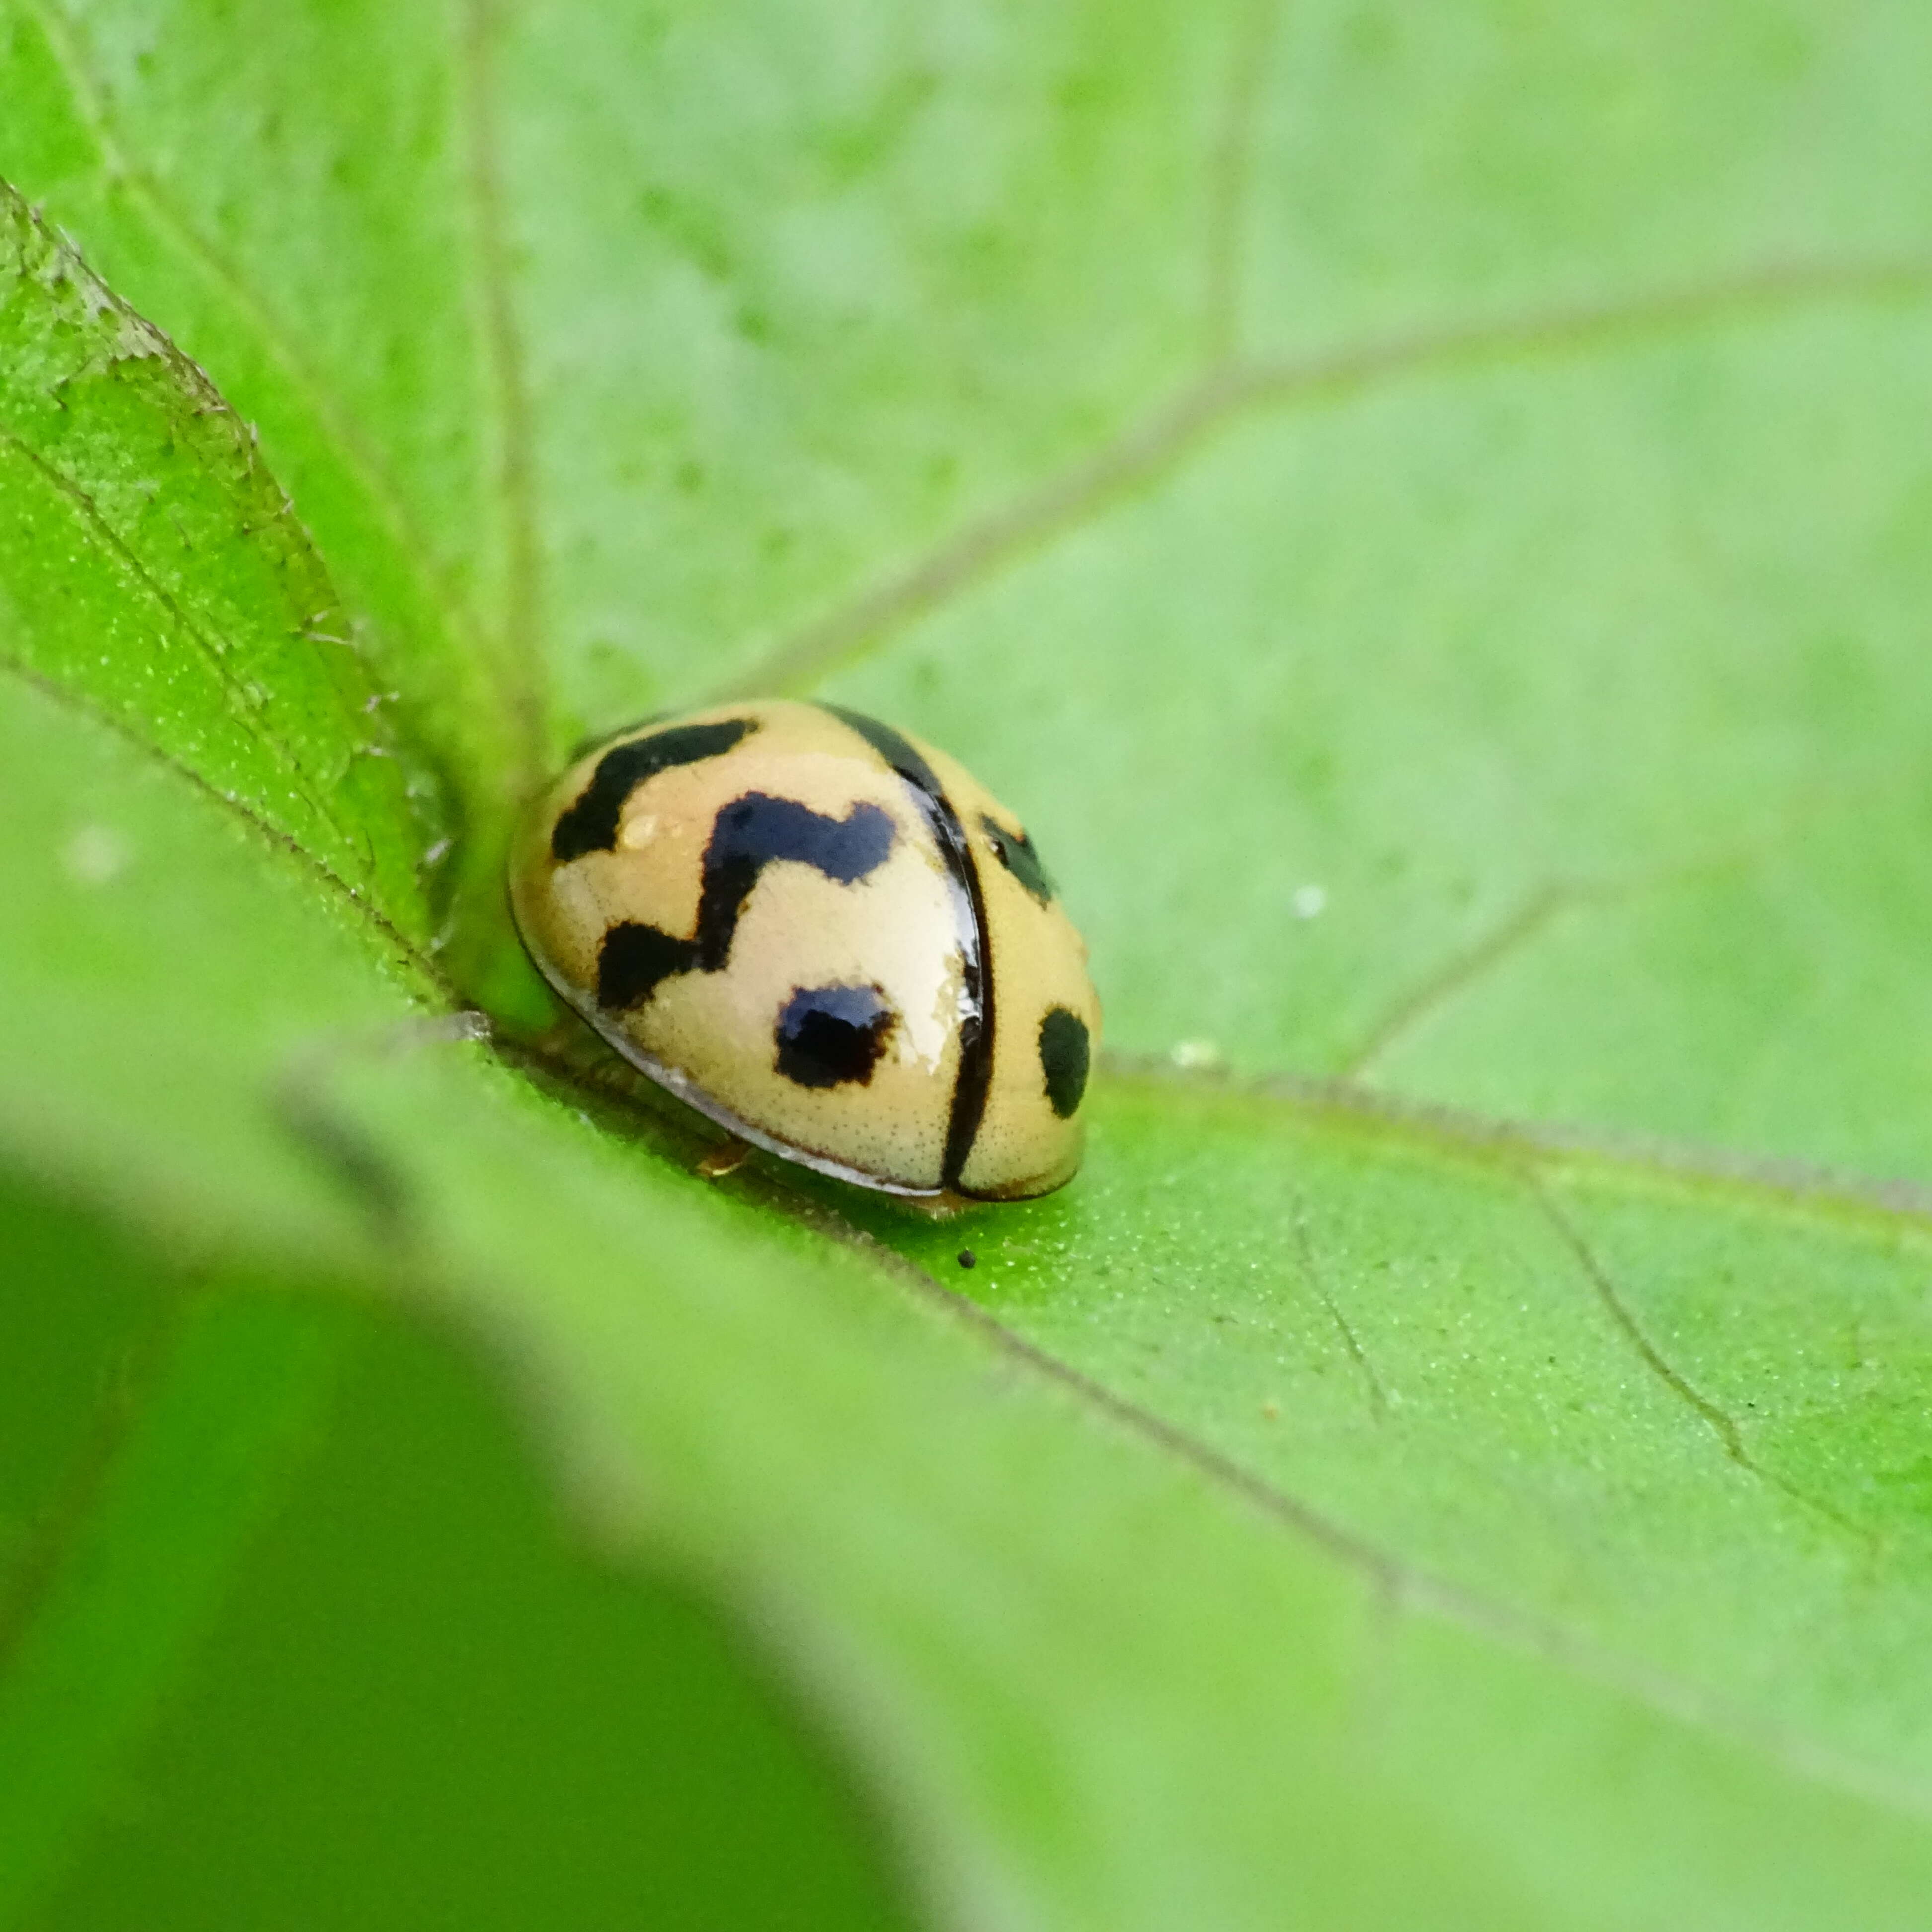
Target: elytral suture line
pixel 1212 403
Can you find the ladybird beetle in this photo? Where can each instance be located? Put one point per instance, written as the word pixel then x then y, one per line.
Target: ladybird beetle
pixel 826 937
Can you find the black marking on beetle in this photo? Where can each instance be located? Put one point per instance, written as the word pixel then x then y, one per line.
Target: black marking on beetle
pixel 634 958
pixel 1063 1059
pixel 589 742
pixel 975 1077
pixel 1017 853
pixel 967 1258
pixel 832 1036
pixel 752 832
pixel 748 834
pixel 590 824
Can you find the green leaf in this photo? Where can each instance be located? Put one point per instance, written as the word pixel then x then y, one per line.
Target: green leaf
pixel 1425 517
pixel 154 572
pixel 461 1671
pixel 144 1568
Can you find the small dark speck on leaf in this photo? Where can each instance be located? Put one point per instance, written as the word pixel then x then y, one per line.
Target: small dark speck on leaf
pixel 967 1258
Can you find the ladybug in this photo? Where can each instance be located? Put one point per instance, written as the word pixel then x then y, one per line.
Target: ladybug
pixel 825 936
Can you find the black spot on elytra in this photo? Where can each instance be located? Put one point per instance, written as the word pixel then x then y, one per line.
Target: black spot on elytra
pixel 832 1036
pixel 590 824
pixel 1016 852
pixel 633 957
pixel 748 834
pixel 753 832
pixel 1063 1059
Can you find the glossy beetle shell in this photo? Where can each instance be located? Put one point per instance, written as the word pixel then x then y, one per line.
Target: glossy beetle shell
pixel 825 936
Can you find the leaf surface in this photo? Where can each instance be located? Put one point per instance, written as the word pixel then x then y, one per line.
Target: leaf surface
pixel 1424 518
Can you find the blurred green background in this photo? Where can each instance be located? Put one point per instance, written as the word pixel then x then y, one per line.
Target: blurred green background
pixel 399 1695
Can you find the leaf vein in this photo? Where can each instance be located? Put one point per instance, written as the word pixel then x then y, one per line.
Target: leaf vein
pixel 1231 177
pixel 1409 1588
pixel 340 888
pixel 1189 419
pixel 436 588
pixel 520 644
pixel 1721 1423
pixel 1393 1581
pixel 1311 1273
pixel 1898 1209
pixel 1461 972
pixel 241 708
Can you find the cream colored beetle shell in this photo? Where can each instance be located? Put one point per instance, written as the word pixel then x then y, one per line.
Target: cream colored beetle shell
pixel 825 936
